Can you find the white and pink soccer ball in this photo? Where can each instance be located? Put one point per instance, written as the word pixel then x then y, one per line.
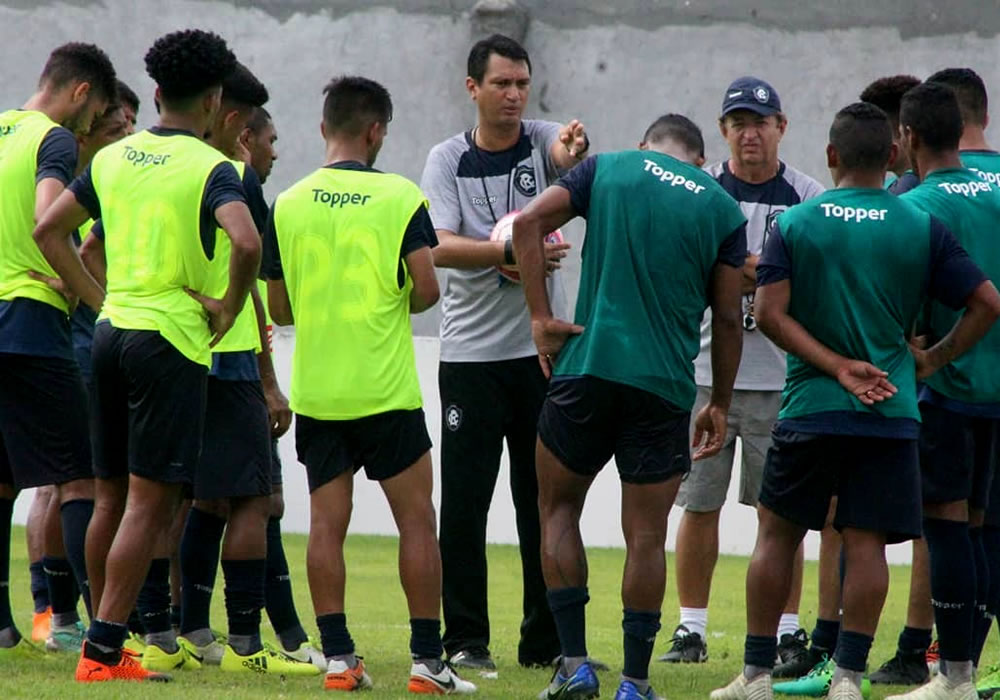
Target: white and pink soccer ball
pixel 502 231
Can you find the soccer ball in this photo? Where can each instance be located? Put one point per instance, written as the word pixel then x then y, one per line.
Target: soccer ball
pixel 503 230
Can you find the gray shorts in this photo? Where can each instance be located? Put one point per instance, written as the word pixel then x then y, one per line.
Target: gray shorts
pixel 752 414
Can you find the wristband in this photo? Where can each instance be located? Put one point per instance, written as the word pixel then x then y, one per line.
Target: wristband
pixel 508 251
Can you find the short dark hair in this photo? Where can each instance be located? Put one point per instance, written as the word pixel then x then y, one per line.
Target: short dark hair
pixel 127 96
pixel 353 103
pixel 241 87
pixel 479 55
pixel 970 90
pixel 886 93
pixel 258 120
pixel 931 111
pixel 678 128
pixel 186 63
pixel 84 63
pixel 862 135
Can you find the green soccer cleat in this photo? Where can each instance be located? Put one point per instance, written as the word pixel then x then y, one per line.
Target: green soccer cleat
pixel 989 684
pixel 816 683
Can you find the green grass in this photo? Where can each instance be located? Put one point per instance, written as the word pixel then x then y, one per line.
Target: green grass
pixel 378 621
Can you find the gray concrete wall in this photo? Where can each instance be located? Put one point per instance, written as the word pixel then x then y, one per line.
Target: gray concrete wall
pixel 615 65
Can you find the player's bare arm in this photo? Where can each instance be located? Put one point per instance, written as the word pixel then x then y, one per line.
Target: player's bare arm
pixel 981 311
pixel 53 234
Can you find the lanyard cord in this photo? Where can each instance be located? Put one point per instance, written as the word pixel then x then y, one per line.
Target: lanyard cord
pixel 482 177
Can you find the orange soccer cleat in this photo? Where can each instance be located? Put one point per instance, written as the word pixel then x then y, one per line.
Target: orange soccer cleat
pixel 96 666
pixel 41 625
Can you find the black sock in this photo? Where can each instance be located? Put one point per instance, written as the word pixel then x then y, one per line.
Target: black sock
pixel 278 598
pixel 953 586
pixel 154 598
pixel 824 635
pixel 760 651
pixel 425 639
pixel 6 509
pixel 334 636
pixel 200 546
pixel 244 595
pixel 640 629
pixel 175 616
pixel 913 640
pixel 983 620
pixel 852 650
pixel 110 635
pixel 569 611
pixel 135 623
pixel 75 516
pixel 62 587
pixel 39 586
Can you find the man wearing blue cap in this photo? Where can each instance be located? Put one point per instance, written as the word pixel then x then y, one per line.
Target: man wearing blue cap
pixel 753 124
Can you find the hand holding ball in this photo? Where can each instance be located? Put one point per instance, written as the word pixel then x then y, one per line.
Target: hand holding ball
pixel 503 231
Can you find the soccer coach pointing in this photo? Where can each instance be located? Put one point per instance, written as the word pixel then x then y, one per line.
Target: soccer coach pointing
pixel 491 384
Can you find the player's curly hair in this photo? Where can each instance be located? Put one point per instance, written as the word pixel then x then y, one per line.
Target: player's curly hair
pixel 886 93
pixel 242 87
pixel 84 63
pixel 186 63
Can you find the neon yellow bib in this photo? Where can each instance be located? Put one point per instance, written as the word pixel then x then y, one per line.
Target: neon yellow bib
pixel 151 188
pixel 243 335
pixel 339 234
pixel 21 135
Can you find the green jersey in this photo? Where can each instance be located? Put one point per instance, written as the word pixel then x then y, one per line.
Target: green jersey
pixel 860 263
pixel 969 205
pixel 656 227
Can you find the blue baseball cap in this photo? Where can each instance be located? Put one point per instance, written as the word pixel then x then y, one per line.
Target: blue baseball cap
pixel 753 94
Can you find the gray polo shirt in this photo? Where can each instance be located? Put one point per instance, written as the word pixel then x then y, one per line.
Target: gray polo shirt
pixel 762 366
pixel 484 316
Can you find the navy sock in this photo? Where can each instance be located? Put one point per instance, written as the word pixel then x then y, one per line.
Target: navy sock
pixel 62 587
pixel 244 594
pixel 39 586
pixel 200 546
pixel 135 623
pixel 983 620
pixel 913 640
pixel 852 650
pixel 640 629
pixel 569 611
pixel 760 651
pixel 278 591
pixel 953 586
pixel 110 635
pixel 6 509
pixel 333 635
pixel 75 517
pixel 175 616
pixel 425 639
pixel 824 635
pixel 154 598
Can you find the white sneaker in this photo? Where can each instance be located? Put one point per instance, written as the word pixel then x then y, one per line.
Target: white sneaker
pixel 208 655
pixel 940 688
pixel 307 654
pixel 845 690
pixel 740 689
pixel 444 682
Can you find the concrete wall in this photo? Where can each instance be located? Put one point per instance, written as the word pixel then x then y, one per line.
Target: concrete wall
pixel 614 65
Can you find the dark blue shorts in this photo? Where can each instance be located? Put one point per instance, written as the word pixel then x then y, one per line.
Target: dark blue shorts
pixel 585 421
pixel 876 481
pixel 957 456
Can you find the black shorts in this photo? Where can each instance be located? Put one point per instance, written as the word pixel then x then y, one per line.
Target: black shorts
pixel 585 421
pixel 876 481
pixel 275 464
pixel 44 436
pixel 236 449
pixel 957 456
pixel 385 444
pixel 149 407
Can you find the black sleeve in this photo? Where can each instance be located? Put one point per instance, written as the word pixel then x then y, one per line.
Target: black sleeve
pixel 579 181
pixel 82 188
pixel 57 156
pixel 419 232
pixel 97 230
pixel 255 198
pixel 223 186
pixel 775 264
pixel 270 261
pixel 733 251
pixel 953 276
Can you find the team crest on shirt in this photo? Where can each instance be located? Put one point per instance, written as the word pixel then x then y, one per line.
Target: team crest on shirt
pixel 761 94
pixel 769 223
pixel 524 180
pixel 453 417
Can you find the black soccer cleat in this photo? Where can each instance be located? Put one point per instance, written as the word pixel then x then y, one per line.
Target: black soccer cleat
pixel 686 647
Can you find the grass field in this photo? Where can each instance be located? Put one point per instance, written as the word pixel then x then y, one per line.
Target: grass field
pixel 378 621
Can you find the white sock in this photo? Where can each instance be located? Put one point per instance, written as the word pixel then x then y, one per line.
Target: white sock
pixel 695 619
pixel 789 624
